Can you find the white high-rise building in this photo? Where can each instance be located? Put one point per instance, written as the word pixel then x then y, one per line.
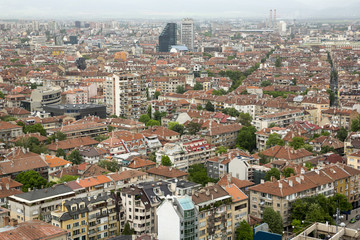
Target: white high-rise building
pixel 282 27
pixel 125 95
pixel 187 33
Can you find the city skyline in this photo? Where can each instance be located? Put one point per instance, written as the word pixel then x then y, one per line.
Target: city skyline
pixel 81 9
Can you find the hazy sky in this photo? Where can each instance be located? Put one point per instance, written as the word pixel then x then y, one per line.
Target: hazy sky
pixel 88 9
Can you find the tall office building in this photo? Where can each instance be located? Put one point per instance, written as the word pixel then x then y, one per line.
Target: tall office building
pixel 187 33
pixel 167 38
pixel 77 24
pixel 125 95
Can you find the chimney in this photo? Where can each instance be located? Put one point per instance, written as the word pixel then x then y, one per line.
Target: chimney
pixel 13 222
pixel 6 220
pixel 262 181
pixel 280 185
pixel 298 179
pixel 7 186
pixel 273 179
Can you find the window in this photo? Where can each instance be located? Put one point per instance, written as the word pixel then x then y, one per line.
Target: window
pixel 202 232
pixel 68 226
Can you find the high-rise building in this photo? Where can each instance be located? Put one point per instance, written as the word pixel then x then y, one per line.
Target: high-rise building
pixel 187 33
pixel 77 24
pixel 177 219
pixel 167 37
pixel 125 95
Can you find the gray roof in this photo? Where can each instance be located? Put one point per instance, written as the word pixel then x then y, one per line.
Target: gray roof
pixel 50 192
pixel 74 106
pixel 183 183
pixel 148 188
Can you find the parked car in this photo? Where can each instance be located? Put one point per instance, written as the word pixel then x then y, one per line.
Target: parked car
pixel 353 220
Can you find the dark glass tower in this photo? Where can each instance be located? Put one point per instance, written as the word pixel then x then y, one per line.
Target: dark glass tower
pixel 167 38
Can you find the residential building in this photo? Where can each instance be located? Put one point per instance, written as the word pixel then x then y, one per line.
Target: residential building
pixel 43 96
pixel 167 37
pixel 177 219
pixel 287 153
pixel 127 125
pixel 125 95
pixel 281 119
pixel 39 203
pixel 8 187
pixel 187 34
pixel 83 129
pixel 9 131
pixel 77 111
pixel 32 230
pixel 56 163
pixel 222 135
pixel 164 172
pixel 338 117
pixel 239 206
pixel 89 218
pixel 352 143
pixel 215 213
pixel 70 144
pixel 185 153
pixel 92 155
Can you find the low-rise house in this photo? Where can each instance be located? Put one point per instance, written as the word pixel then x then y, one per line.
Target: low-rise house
pixel 163 132
pixel 127 177
pixel 75 130
pixel 92 155
pixel 70 144
pixel 56 163
pixel 338 117
pixel 223 135
pixel 32 230
pixel 164 172
pixel 82 170
pixel 39 203
pixel 8 187
pixel 140 164
pixel 9 131
pixel 287 153
pixel 17 112
pixel 281 119
pixel 328 141
pixel 127 125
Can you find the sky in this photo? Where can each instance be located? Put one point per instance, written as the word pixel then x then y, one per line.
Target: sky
pixel 118 9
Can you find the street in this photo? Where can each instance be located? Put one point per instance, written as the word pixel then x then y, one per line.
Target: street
pixel 353 214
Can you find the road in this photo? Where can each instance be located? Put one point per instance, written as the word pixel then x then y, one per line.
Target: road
pixel 355 225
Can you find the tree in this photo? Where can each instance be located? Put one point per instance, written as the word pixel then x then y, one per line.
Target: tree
pixel 67 178
pixel 198 86
pixel 315 213
pixel 265 83
pixel 180 89
pixel 179 128
pixel 31 179
pixel 144 118
pixel 112 166
pixel 113 116
pixel 326 149
pixel 342 134
pixel 33 144
pixel 198 174
pixel 209 107
pixel 75 157
pixel 152 156
pixel 273 172
pixel 221 150
pixel 325 133
pixel 244 231
pixel 60 153
pixel 199 107
pixel 165 161
pixel 272 125
pixel 37 127
pixel 288 171
pixel 246 138
pixel 274 220
pixel 231 111
pixel 158 115
pixel 2 96
pixel 309 165
pixel 355 124
pixel 127 230
pixel 56 136
pixel 245 119
pixel 219 92
pixel 149 111
pixel 297 142
pixel 274 139
pixel 157 94
pixel 153 122
pixel 278 62
pixel 101 138
pixel 193 128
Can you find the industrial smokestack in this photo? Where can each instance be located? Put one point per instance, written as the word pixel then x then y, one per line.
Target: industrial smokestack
pixel 275 17
pixel 270 20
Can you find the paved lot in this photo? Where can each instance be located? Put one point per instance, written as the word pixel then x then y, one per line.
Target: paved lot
pixel 355 225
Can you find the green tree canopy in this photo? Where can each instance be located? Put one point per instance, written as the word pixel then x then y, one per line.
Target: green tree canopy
pixel 33 144
pixel 274 139
pixel 31 179
pixel 198 86
pixel 209 107
pixel 101 137
pixel 58 135
pixel 297 142
pixel 113 116
pixel 273 172
pixel 245 119
pixel 342 134
pixel 274 220
pixel 165 161
pixel 180 89
pixel 326 149
pixel 75 157
pixel 179 128
pixel 231 111
pixel 193 128
pixel 67 178
pixel 144 118
pixel 157 94
pixel 246 138
pixel 127 230
pixel 37 127
pixel 278 62
pixel 265 83
pixel 219 92
pixel 153 122
pixel 288 171
pixel 158 115
pixel 355 124
pixel 221 150
pixel 60 153
pixel 112 166
pixel 244 231
pixel 198 174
